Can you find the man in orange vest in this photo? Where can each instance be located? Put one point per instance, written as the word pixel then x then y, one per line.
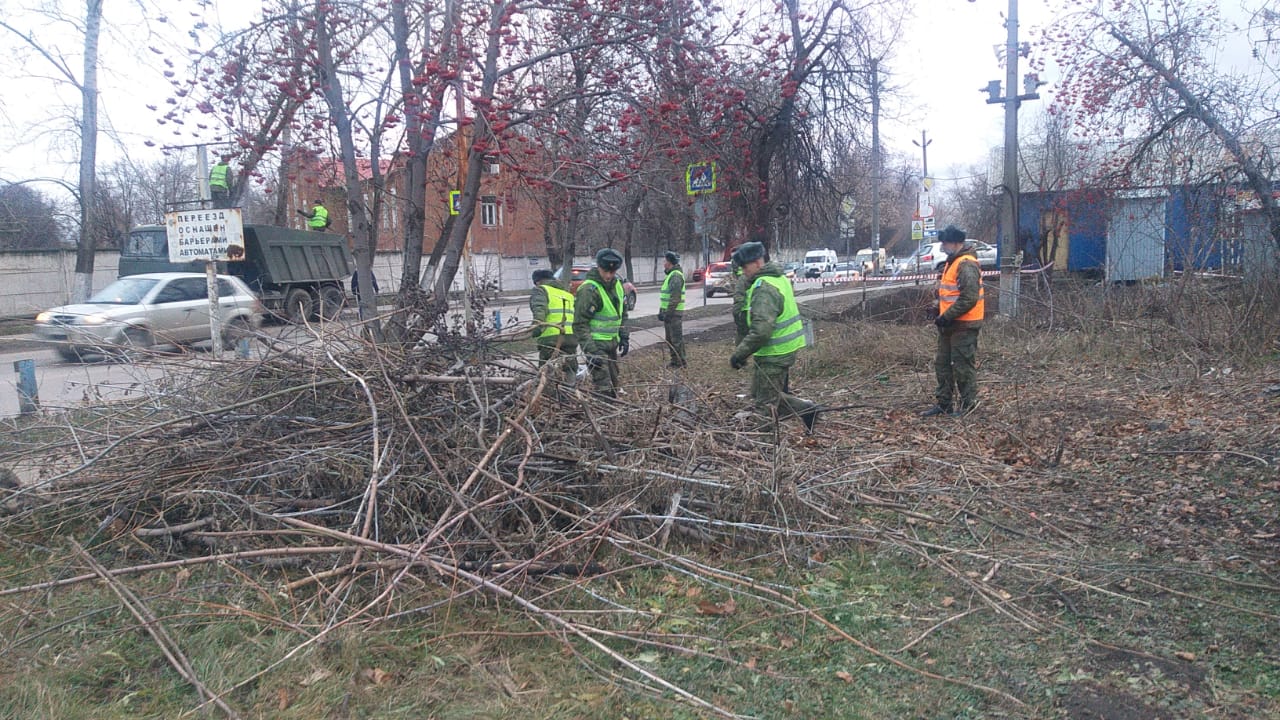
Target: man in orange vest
pixel 960 311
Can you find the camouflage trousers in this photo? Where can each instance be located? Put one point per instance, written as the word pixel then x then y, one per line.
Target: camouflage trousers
pixel 561 349
pixel 956 366
pixel 673 327
pixel 771 385
pixel 603 364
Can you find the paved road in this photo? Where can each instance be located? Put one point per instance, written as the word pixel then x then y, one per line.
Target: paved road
pixel 62 385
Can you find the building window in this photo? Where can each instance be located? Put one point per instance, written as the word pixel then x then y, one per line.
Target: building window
pixel 490 211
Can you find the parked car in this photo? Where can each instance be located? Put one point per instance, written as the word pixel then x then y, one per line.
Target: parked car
pixel 844 272
pixel 139 311
pixel 931 256
pixel 793 270
pixel 628 289
pixel 695 277
pixel 719 279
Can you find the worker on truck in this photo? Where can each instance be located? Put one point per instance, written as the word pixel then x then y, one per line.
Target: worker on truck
pixel 220 183
pixel 318 218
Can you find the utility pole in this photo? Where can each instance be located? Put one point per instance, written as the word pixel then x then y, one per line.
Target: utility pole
pixel 875 160
pixel 924 201
pixel 924 154
pixel 1009 259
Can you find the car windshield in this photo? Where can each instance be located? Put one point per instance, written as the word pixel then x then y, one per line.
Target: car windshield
pixel 125 291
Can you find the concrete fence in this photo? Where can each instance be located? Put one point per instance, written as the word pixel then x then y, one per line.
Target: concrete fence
pixel 34 280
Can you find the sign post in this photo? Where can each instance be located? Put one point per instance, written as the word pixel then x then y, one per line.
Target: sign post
pixel 699 180
pixel 211 236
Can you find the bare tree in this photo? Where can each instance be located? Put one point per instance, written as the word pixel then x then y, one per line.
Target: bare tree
pixel 28 220
pixel 1140 74
pixel 87 84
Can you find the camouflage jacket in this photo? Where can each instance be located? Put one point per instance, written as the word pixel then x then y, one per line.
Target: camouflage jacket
pixel 586 303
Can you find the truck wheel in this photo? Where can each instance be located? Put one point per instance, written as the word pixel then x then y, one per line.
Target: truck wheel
pixel 298 306
pixel 332 300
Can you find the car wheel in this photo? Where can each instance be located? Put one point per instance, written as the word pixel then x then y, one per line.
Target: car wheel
pixel 630 301
pixel 298 306
pixel 332 300
pixel 235 330
pixel 134 342
pixel 69 353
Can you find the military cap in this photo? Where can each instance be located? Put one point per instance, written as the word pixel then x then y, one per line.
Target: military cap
pixel 608 259
pixel 672 257
pixel 540 275
pixel 951 234
pixel 749 252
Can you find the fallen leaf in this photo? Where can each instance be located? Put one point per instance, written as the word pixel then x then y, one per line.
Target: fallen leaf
pixel 376 676
pixel 1184 655
pixel 319 675
pixel 282 699
pixel 948 601
pixel 786 641
pixel 844 676
pixel 728 607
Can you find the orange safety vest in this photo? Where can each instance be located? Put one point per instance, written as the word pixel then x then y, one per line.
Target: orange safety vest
pixel 949 291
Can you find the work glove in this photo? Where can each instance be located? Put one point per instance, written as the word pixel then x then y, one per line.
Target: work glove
pixel 943 321
pixel 737 363
pixel 624 346
pixel 662 316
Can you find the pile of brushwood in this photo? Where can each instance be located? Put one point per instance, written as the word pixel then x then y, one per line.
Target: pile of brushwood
pixel 360 470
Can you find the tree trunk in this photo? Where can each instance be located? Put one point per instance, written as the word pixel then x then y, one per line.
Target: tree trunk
pixel 87 246
pixel 358 221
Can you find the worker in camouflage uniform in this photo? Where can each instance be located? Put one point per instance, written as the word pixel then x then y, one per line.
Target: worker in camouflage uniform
pixel 961 307
pixel 671 308
pixel 552 309
pixel 599 317
pixel 775 333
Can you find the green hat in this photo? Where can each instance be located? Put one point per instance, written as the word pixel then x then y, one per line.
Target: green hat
pixel 608 259
pixel 749 252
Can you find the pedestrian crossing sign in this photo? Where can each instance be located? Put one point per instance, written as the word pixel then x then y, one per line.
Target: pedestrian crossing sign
pixel 700 178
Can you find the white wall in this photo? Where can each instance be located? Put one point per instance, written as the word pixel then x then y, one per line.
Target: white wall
pixel 31 281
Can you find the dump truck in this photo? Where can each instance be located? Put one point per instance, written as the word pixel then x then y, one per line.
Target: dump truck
pixel 298 274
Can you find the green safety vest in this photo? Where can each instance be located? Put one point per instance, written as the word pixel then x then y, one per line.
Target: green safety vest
pixel 788 330
pixel 664 295
pixel 218 177
pixel 319 217
pixel 608 320
pixel 559 312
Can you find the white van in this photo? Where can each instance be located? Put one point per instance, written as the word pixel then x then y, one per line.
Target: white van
pixel 865 260
pixel 817 262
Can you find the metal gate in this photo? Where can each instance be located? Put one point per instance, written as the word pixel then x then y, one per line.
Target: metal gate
pixel 1135 239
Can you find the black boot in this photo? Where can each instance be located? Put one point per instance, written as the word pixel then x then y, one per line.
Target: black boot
pixel 810 418
pixel 937 410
